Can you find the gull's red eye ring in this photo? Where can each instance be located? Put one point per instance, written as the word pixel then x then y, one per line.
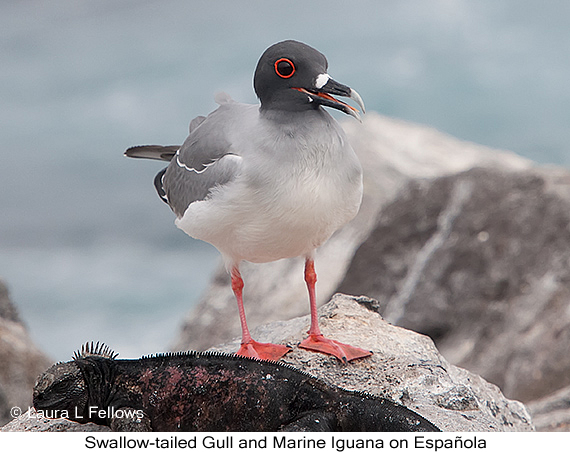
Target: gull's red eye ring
pixel 284 68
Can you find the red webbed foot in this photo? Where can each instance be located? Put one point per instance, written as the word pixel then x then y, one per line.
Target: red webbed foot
pixel 344 352
pixel 260 350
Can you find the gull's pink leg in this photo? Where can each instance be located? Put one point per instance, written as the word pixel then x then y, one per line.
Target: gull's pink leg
pixel 316 341
pixel 249 347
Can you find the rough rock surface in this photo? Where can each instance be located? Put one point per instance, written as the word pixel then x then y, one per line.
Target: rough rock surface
pixel 392 153
pixel 405 367
pixel 20 360
pixel 552 413
pixel 30 421
pixel 479 261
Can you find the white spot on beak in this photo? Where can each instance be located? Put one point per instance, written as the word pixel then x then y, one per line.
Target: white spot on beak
pixel 321 80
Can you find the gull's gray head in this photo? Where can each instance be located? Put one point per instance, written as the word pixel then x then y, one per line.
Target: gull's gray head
pixel 292 76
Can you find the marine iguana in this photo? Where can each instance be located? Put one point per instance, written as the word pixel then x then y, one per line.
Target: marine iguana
pixel 208 391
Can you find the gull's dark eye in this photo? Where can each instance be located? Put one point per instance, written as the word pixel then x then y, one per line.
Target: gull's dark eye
pixel 284 68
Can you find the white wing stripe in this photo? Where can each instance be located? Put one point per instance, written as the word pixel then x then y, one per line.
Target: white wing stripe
pixel 205 165
pixel 188 168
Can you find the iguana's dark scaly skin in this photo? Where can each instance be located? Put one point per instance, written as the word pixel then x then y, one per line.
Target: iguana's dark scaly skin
pixel 196 391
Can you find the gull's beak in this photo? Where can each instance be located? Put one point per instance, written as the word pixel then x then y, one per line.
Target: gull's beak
pixel 324 96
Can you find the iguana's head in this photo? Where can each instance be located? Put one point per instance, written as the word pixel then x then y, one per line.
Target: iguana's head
pixel 61 389
pixel 64 389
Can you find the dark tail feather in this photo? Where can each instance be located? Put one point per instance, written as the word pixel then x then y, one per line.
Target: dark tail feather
pixel 152 151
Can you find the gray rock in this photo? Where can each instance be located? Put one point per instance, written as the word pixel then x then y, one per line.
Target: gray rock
pixel 479 262
pixel 21 361
pixel 405 367
pixel 392 152
pixel 552 413
pixel 7 309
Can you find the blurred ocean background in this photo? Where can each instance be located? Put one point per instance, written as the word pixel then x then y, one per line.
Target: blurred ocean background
pixel 88 250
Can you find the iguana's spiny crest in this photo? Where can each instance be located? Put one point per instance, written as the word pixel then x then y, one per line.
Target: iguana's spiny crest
pixel 95 349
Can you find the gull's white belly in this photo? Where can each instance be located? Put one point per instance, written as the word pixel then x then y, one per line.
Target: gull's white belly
pixel 285 219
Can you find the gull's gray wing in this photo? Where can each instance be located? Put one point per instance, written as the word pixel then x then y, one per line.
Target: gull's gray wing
pixel 204 161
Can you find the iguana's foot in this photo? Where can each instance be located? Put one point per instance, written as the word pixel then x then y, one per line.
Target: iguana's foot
pixel 260 350
pixel 344 352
